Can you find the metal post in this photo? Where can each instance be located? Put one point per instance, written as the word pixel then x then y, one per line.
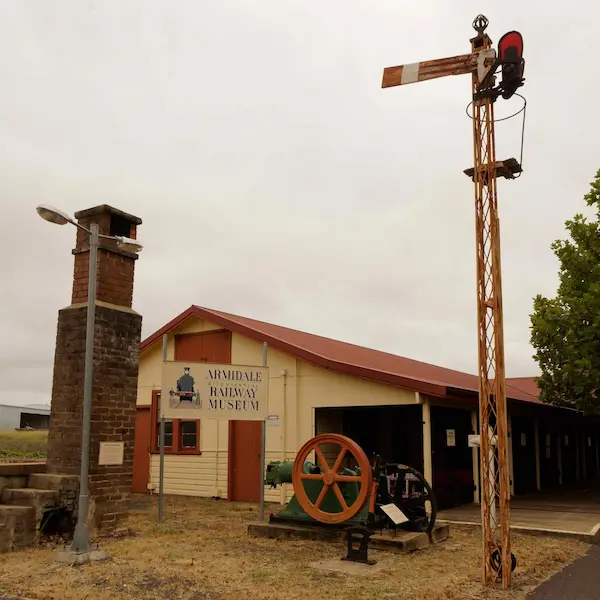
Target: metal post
pixel 584 455
pixel 511 446
pixel 161 470
pixel 81 536
pixel 559 456
pixel 577 441
pixel 475 458
pixel 427 456
pixel 491 479
pixel 264 448
pixel 538 480
pixel 597 457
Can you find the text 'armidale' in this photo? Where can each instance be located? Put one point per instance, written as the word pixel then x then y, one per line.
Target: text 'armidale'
pixel 233 375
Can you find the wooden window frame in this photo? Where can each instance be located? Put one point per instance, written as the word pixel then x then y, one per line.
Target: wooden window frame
pixel 176 448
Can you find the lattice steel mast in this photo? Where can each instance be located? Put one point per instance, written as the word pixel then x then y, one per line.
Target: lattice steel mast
pixel 494 472
pixel 482 64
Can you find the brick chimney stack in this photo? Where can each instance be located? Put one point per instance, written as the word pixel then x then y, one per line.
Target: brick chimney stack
pixel 116 359
pixel 115 268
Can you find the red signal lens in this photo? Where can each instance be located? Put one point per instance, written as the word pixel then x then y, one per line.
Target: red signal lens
pixel 510 47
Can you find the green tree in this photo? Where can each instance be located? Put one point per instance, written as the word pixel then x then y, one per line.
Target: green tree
pixel 565 330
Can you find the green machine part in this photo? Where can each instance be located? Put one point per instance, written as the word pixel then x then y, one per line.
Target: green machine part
pixel 279 472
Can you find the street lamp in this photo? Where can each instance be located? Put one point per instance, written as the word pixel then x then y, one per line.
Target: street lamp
pixel 81 537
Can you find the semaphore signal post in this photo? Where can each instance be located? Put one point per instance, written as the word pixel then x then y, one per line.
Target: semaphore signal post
pixel 482 63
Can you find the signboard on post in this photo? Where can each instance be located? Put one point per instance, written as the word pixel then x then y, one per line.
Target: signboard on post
pixel 200 390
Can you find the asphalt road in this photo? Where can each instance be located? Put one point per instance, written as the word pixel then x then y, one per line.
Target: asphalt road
pixel 579 581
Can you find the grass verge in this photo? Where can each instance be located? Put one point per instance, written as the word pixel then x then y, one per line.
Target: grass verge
pixel 23 444
pixel 202 552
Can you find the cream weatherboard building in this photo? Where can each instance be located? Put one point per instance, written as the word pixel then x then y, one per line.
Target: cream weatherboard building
pixel 405 410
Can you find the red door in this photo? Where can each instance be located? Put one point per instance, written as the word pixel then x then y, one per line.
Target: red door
pixel 141 451
pixel 245 446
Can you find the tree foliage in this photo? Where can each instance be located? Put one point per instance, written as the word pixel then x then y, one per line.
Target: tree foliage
pixel 565 330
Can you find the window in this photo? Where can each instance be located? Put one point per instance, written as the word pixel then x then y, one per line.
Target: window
pixel 181 437
pixel 188 434
pixel 168 433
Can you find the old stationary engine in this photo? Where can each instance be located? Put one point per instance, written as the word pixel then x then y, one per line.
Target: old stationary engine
pixel 340 486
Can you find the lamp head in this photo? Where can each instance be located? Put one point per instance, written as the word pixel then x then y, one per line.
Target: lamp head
pixel 128 245
pixel 53 215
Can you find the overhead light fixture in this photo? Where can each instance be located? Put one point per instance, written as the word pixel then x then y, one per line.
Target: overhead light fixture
pixel 53 215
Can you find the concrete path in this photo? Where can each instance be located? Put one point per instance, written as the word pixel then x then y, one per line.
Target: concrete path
pixel 579 581
pixel 574 514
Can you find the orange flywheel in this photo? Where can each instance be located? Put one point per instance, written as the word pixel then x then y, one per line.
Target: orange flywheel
pixel 331 476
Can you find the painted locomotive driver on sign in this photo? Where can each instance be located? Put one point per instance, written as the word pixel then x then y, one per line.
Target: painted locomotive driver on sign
pixel 186 396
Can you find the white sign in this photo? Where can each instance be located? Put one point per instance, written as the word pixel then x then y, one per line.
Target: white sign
pixel 273 420
pixel 523 440
pixel 111 453
pixel 394 513
pixel 474 440
pixel 485 63
pixel 450 437
pixel 200 390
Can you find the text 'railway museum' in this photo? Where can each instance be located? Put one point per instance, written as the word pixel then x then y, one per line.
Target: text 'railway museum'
pixel 406 411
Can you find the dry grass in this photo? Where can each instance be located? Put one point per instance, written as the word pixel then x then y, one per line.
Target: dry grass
pixel 202 552
pixel 23 444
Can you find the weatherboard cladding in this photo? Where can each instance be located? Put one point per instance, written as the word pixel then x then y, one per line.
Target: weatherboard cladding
pixel 349 358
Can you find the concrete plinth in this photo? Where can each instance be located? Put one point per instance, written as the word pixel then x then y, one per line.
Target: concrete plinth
pixel 348 567
pixel 401 541
pixel 80 558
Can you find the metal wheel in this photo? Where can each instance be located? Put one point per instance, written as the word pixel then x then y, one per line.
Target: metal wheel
pixel 414 497
pixel 331 477
pixel 496 562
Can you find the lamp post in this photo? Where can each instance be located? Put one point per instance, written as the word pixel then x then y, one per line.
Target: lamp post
pixel 81 537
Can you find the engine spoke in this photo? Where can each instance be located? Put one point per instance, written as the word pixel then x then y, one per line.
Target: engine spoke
pixel 321 458
pixel 339 459
pixel 340 496
pixel 348 478
pixel 321 496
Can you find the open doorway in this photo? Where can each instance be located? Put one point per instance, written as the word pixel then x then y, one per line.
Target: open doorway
pixel 452 458
pixel 393 432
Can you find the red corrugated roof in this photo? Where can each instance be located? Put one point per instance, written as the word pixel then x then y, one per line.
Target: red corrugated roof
pixel 526 386
pixel 347 358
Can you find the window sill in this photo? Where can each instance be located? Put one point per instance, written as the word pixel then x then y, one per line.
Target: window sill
pixel 179 452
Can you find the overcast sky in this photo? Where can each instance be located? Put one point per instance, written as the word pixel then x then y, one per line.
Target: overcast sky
pixel 275 178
